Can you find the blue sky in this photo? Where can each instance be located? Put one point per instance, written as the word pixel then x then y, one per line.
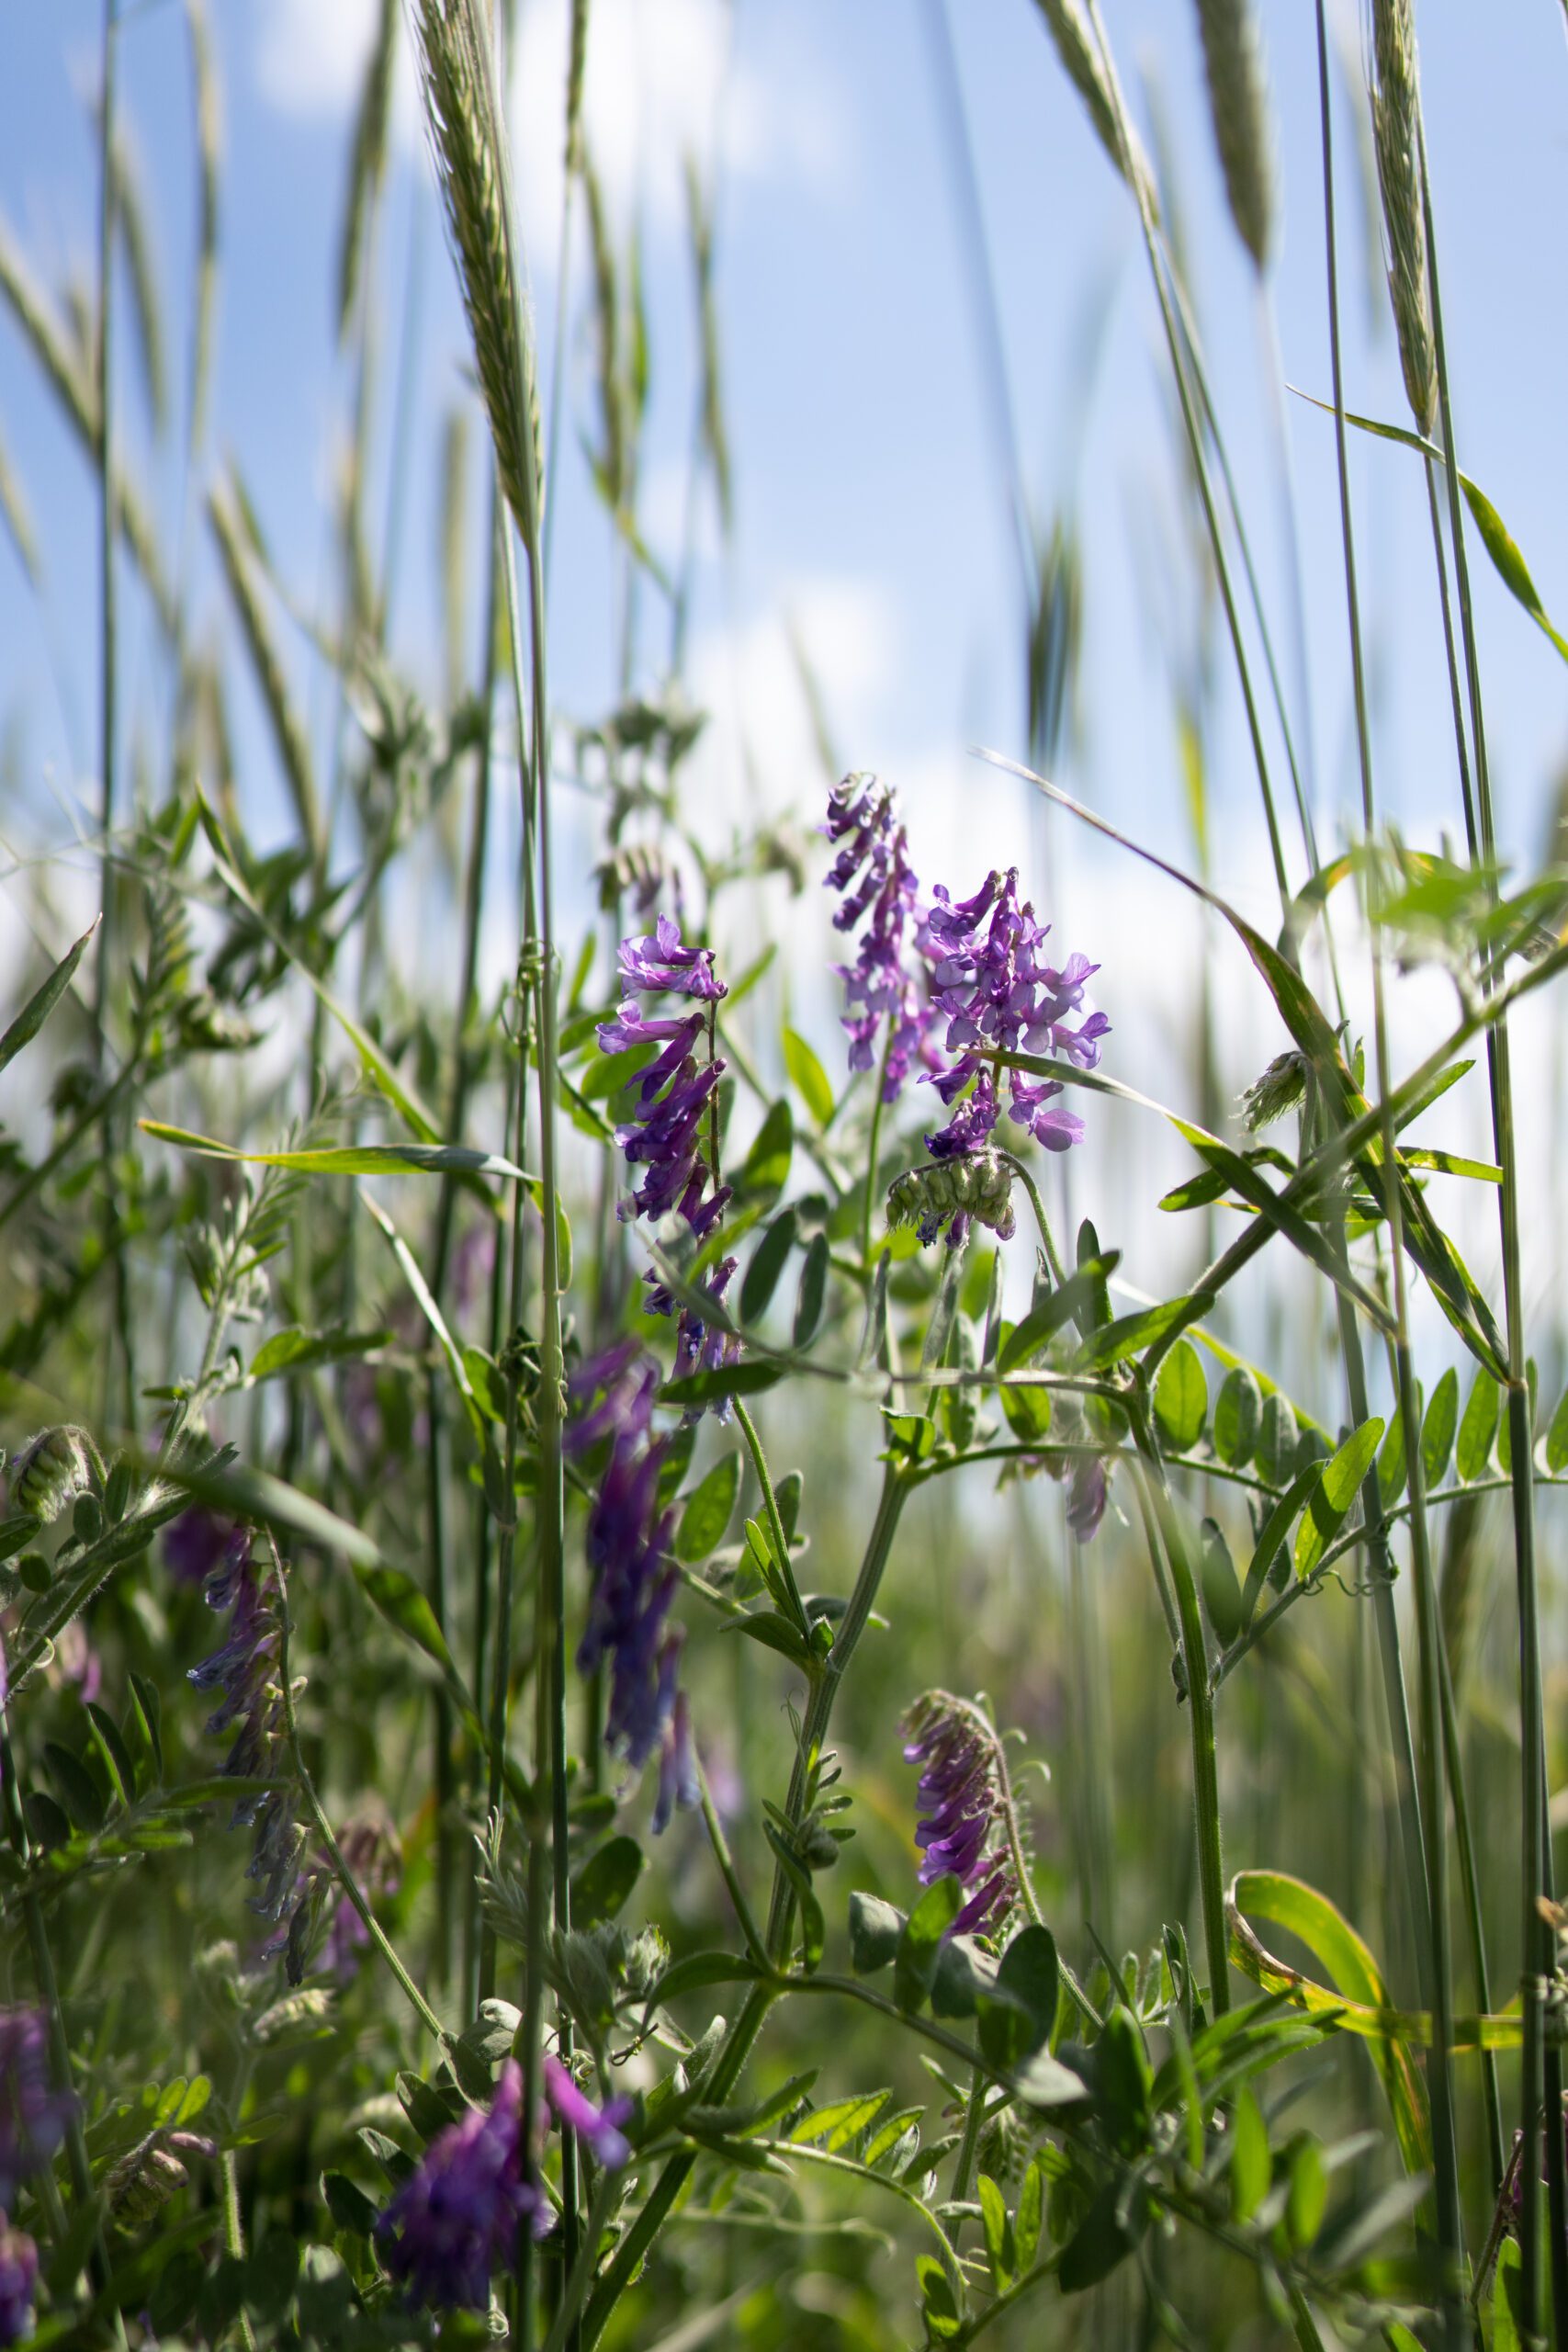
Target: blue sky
pixel 869 511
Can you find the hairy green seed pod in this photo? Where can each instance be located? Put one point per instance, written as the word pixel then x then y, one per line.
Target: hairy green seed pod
pixel 143 2183
pixel 50 1471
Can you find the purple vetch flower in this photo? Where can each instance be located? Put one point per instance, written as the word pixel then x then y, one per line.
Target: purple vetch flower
pixel 678 1783
pixel 661 961
pixel 599 2129
pixel 243 1669
pixel 1086 1495
pixel 700 1345
pixel 873 870
pixel 195 1543
pixel 964 1801
pixel 634 1575
pixel 998 994
pixel 18 2278
pixel 34 2116
pixel 371 1847
pixel 455 2221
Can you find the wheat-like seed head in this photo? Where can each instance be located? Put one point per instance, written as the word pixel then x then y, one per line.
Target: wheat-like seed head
pixel 1081 60
pixel 467 139
pixel 1238 100
pixel 1396 132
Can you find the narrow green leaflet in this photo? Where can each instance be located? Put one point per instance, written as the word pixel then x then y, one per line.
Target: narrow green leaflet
pixel 1496 537
pixel 810 1079
pixel 813 1291
pixel 1181 1397
pixel 1437 1429
pixel 350 1159
pixel 1330 1505
pixel 768 1259
pixel 41 1003
pixel 299 1350
pixel 1237 1412
pixel 1478 1429
pixel 1131 1333
pixel 1276 1527
pixel 705 1522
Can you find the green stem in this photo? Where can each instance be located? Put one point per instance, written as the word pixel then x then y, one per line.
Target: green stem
pixel 874 1151
pixel 1434 1808
pixel 1205 1761
pixel 1540 2070
pixel 1047 1240
pixel 974 2115
pixel 727 1869
pixel 1135 181
pixel 726 2071
pixel 1474 1916
pixel 324 1827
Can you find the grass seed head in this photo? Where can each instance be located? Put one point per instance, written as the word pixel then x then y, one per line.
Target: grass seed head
pixel 1396 134
pixel 1243 131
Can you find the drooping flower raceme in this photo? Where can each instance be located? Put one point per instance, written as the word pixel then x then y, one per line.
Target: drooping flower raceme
pixel 455 2221
pixel 873 871
pixel 964 1802
pixel 957 983
pixel 999 993
pixel 670 1134
pixel 34 2116
pixel 244 1669
pixel 664 1135
pixel 635 1575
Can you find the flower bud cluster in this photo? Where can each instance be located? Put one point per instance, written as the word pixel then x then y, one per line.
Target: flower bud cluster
pixel 964 1806
pixel 634 1572
pixel 946 1196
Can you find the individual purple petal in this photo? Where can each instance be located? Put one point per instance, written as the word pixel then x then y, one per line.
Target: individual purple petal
pixel 598 2128
pixel 678 1781
pixel 661 961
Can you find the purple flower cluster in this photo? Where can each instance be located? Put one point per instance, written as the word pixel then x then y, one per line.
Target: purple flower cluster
pixel 978 966
pixel 700 1345
pixel 245 1668
pixel 634 1575
pixel 33 2116
pixel 961 1798
pixel 456 2221
pixel 879 985
pixel 664 1134
pixel 18 2278
pixel 997 993
pixel 371 1847
pixel 599 2128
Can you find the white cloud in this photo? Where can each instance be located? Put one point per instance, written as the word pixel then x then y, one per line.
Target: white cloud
pixel 311 55
pixel 663 76
pixel 750 679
